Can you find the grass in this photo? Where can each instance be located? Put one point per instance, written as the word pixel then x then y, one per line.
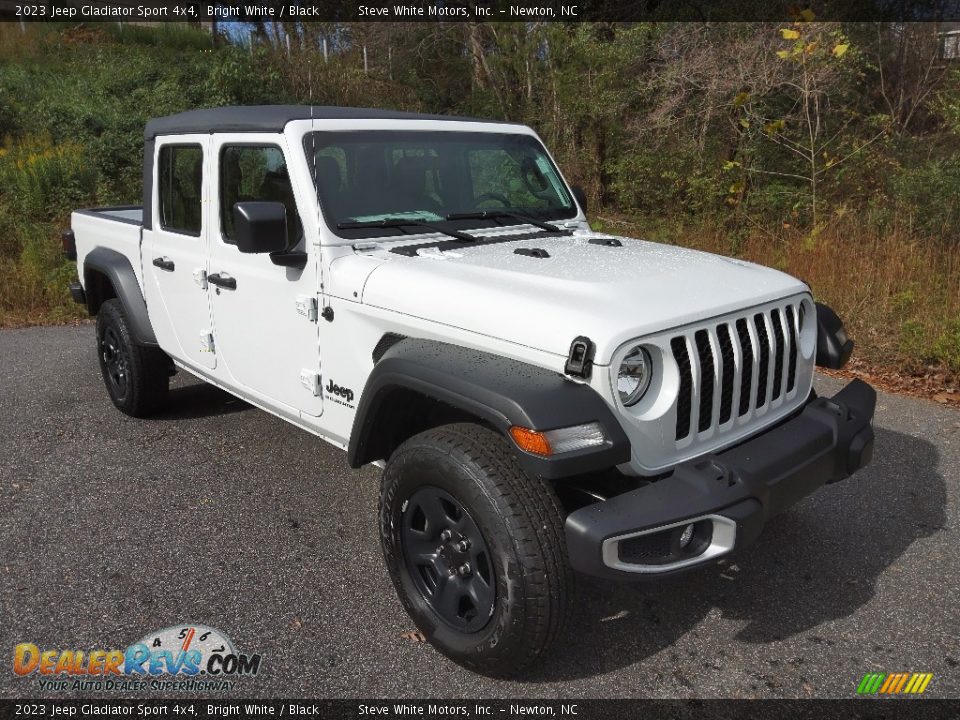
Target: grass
pixel 33 282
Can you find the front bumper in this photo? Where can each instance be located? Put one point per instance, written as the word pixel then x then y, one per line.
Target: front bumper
pixel 726 497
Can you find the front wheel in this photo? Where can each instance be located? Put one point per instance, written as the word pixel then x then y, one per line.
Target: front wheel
pixel 475 548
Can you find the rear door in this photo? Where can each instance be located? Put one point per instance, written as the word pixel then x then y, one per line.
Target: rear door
pixel 174 252
pixel 264 312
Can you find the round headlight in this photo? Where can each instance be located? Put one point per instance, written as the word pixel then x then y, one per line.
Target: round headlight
pixel 634 376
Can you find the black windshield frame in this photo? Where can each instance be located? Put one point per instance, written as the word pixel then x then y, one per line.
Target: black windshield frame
pixel 315 141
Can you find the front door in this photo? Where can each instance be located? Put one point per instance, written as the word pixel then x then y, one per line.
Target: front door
pixel 265 327
pixel 175 248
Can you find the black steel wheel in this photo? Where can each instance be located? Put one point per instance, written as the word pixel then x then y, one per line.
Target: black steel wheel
pixel 475 548
pixel 137 378
pixel 115 359
pixel 448 559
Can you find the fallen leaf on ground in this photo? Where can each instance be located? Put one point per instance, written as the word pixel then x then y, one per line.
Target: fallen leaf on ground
pixel 414 635
pixel 928 384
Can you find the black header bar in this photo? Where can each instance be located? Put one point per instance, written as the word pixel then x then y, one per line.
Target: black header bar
pixel 228 707
pixel 226 11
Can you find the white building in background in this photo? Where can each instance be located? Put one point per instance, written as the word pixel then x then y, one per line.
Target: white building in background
pixel 950 41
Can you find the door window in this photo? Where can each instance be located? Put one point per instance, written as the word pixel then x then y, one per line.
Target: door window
pixel 180 182
pixel 256 172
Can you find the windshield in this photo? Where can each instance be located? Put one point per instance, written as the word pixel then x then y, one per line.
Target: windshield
pixel 369 176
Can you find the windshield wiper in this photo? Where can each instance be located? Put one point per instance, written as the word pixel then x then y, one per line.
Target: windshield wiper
pixel 498 214
pixel 400 223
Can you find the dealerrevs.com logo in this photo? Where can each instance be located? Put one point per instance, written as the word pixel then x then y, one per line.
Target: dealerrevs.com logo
pixel 184 657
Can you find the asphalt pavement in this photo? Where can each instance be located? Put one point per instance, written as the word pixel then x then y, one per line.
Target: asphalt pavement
pixel 220 514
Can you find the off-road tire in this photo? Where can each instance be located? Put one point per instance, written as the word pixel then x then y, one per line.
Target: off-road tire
pixel 521 522
pixel 137 378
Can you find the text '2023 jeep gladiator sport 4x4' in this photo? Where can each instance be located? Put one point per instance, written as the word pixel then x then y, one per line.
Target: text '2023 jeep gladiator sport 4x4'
pixel 425 293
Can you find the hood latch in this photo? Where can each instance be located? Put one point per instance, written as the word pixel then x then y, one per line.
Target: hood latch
pixel 580 357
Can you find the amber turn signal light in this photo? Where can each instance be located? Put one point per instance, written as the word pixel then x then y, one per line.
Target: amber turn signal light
pixel 531 440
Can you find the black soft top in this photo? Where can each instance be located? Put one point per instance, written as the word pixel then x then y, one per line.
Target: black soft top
pixel 273 118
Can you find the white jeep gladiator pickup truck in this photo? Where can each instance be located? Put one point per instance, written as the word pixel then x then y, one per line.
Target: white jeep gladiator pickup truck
pixel 425 293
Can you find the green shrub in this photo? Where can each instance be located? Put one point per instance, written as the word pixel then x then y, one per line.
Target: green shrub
pixel 43 180
pixel 927 196
pixel 946 349
pixel 33 284
pixel 655 181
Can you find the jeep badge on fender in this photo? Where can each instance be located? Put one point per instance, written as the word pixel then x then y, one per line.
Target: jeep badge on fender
pixel 501 361
pixel 345 393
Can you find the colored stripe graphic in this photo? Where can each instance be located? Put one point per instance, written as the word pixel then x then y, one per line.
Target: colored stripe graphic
pixel 871 683
pixel 889 683
pixel 894 683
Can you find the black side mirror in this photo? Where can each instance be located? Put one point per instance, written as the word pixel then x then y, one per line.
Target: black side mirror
pixel 834 348
pixel 260 226
pixel 581 197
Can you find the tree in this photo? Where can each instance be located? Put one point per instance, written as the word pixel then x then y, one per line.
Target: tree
pixel 909 69
pixel 804 110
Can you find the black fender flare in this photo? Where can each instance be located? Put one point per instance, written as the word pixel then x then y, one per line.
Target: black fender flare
pixel 833 346
pixel 500 391
pixel 119 272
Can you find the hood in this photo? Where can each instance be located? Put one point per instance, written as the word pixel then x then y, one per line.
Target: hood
pixel 610 294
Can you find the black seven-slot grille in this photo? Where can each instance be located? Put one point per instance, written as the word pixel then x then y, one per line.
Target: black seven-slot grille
pixel 714 384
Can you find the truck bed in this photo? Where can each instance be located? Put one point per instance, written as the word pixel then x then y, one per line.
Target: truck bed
pixel 130 214
pixel 117 228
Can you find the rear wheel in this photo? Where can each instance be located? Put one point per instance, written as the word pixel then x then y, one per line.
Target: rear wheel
pixel 136 377
pixel 475 548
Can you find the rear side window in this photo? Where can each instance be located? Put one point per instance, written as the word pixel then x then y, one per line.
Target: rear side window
pixel 256 172
pixel 180 184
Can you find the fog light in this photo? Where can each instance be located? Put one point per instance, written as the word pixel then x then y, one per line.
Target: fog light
pixel 686 536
